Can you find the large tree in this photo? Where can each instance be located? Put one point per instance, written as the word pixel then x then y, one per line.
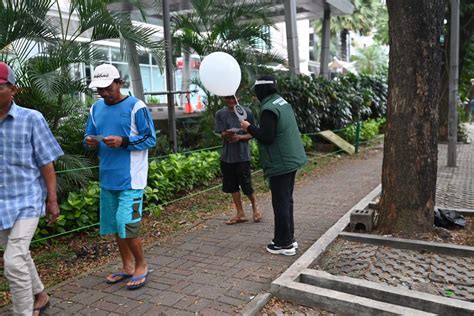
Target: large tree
pixel 410 148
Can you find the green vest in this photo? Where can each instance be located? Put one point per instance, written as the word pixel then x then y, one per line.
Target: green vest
pixel 286 153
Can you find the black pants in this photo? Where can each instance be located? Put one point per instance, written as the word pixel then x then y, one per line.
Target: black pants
pixel 282 201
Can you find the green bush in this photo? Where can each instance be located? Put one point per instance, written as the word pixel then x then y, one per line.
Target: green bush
pixel 167 178
pixel 80 209
pixel 322 104
pixel 369 129
pixel 307 142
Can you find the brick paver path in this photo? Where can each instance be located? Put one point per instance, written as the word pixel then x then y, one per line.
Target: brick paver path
pixel 217 269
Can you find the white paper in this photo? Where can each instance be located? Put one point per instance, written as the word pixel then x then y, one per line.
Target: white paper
pixel 96 137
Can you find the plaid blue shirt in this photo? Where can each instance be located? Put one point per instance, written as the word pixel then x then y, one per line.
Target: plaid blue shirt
pixel 26 144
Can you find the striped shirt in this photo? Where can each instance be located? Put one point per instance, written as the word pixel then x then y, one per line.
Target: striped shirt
pixel 123 168
pixel 26 144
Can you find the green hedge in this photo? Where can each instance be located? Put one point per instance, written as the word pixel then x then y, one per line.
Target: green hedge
pixel 167 178
pixel 369 129
pixel 322 104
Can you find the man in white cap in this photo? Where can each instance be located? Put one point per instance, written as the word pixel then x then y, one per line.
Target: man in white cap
pixel 27 189
pixel 120 127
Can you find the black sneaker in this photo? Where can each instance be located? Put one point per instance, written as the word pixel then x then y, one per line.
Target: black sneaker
pixel 295 244
pixel 277 250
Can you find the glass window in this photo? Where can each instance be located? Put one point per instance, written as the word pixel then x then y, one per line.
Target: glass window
pixel 103 53
pixel 143 58
pixel 116 54
pixel 158 82
pixel 125 74
pixel 146 78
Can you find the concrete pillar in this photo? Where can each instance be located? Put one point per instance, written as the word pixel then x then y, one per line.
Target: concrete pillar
pixel 292 36
pixel 324 70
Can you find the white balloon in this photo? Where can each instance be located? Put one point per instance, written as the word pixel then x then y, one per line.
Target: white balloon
pixel 220 74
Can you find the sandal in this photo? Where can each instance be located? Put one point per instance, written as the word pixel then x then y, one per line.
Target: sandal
pixel 236 220
pixel 117 277
pixel 257 217
pixel 133 285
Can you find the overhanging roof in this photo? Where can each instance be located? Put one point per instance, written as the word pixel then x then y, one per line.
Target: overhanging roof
pixel 305 9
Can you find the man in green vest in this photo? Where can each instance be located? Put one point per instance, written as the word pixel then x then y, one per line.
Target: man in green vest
pixel 281 155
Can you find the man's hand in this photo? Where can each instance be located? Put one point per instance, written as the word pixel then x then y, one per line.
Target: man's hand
pixel 91 143
pixel 244 125
pixel 226 135
pixel 235 138
pixel 113 141
pixel 52 211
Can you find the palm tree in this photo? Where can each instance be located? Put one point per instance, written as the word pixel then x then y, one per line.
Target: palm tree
pixel 362 21
pixel 371 59
pixel 45 77
pixel 241 29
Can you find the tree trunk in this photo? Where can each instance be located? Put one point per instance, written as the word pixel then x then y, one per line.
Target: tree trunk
pixel 410 149
pixel 134 69
pixel 344 45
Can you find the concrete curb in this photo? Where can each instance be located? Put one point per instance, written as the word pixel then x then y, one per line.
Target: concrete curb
pixel 411 244
pixel 463 211
pixel 255 305
pixel 392 295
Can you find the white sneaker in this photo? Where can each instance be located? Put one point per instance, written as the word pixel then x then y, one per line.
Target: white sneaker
pixel 294 244
pixel 277 250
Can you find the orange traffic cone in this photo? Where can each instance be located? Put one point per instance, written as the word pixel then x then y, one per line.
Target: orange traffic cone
pixel 199 105
pixel 188 107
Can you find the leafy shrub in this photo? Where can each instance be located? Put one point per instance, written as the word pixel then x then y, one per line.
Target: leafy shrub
pixel 369 129
pixel 322 104
pixel 307 142
pixel 78 210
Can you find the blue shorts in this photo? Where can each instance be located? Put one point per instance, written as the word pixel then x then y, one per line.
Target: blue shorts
pixel 121 212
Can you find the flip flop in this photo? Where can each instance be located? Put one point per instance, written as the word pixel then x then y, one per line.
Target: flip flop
pixel 135 279
pixel 236 220
pixel 118 277
pixel 257 217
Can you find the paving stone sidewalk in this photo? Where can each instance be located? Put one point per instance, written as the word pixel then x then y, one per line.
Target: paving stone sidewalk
pixel 219 268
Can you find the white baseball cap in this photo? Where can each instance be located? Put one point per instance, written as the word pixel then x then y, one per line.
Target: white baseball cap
pixel 104 75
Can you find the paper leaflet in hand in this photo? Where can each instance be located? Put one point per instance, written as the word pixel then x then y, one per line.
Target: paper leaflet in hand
pixel 96 137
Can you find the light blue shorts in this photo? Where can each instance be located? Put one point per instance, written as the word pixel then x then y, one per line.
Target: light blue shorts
pixel 121 212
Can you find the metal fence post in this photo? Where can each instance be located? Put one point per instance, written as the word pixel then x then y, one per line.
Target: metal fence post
pixel 357 142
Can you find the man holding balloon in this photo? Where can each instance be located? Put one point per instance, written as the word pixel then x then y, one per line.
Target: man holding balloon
pixel 281 155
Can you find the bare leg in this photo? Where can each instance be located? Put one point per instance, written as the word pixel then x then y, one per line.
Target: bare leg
pixel 126 254
pixel 257 216
pixel 135 245
pixel 141 269
pixel 238 205
pixel 41 299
